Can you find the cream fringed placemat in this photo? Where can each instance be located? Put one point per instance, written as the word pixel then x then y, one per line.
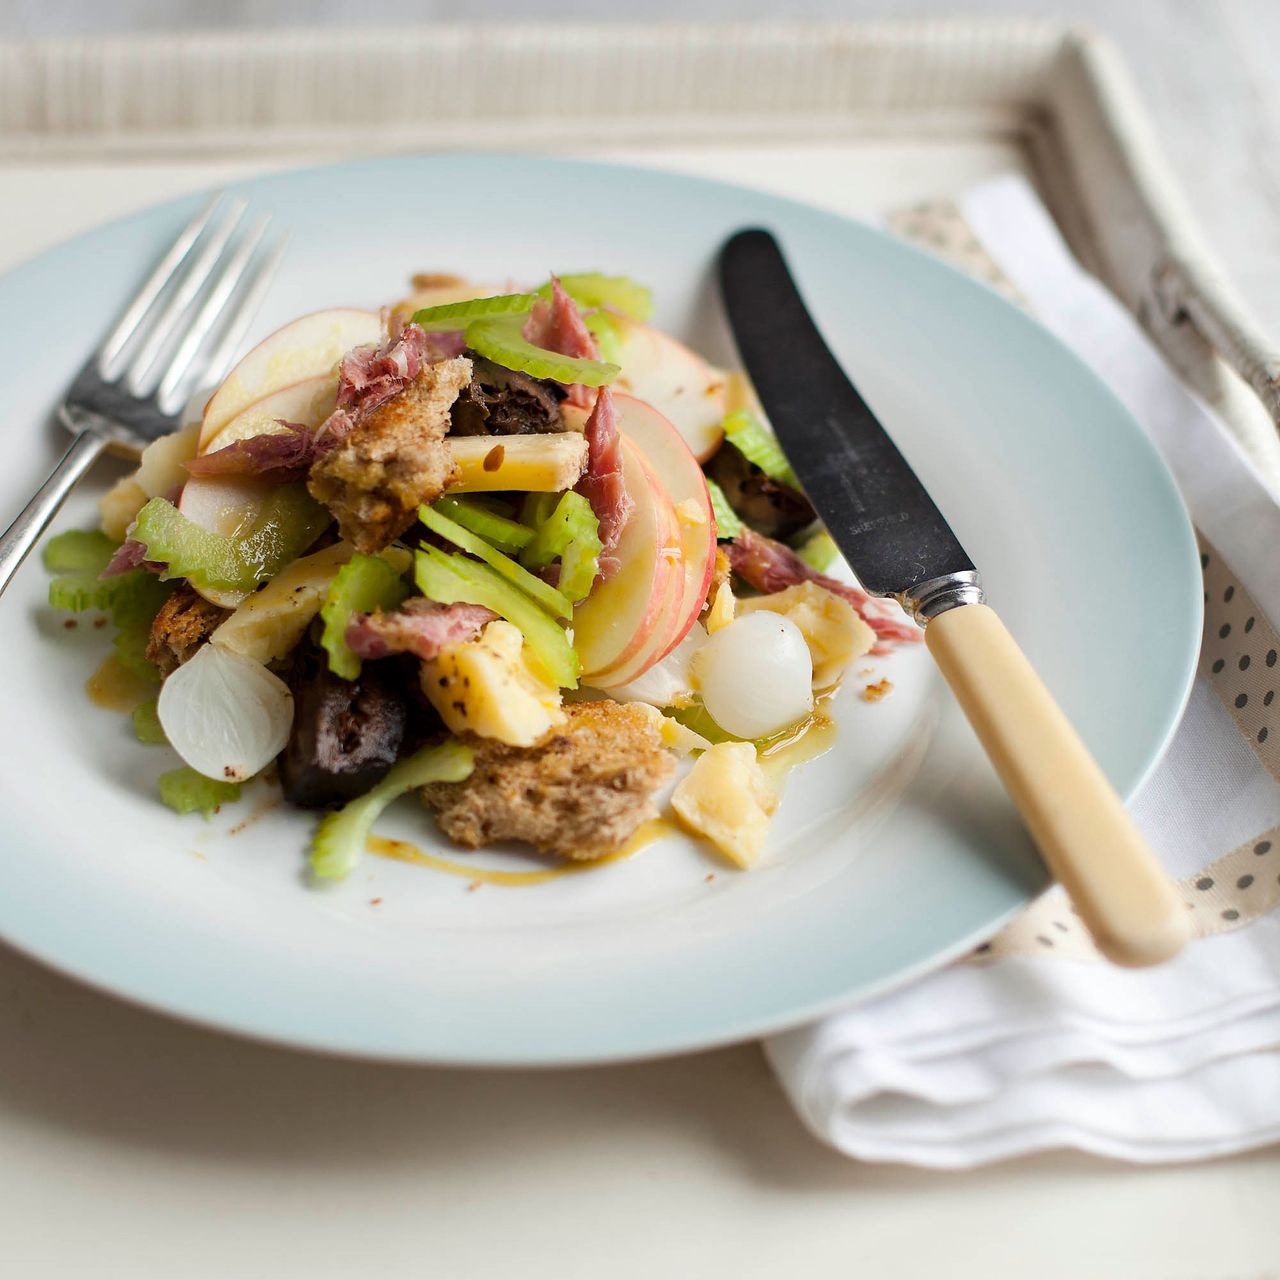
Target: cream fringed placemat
pixel 1034 1041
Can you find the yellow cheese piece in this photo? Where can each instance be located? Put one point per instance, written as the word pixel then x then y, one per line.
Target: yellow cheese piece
pixel 832 629
pixel 675 736
pixel 722 608
pixel 488 687
pixel 531 464
pixel 270 622
pixel 119 506
pixel 161 469
pixel 727 798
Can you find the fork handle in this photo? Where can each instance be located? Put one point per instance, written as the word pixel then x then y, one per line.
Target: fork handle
pixel 1075 817
pixel 18 539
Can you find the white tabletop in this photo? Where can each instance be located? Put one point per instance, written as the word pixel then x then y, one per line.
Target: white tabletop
pixel 135 1146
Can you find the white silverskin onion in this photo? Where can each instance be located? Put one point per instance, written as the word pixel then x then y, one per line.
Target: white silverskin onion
pixel 756 675
pixel 226 715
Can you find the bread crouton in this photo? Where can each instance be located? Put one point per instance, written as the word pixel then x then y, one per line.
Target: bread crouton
pixel 580 793
pixel 185 621
pixel 392 460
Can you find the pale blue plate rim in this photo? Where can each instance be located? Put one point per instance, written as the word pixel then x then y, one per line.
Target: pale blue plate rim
pixel 214 1010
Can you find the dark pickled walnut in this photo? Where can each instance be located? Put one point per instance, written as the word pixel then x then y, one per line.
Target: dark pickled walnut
pixel 503 402
pixel 768 506
pixel 346 733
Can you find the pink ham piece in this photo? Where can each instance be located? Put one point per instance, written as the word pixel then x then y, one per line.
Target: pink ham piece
pixel 769 566
pixel 130 554
pixel 369 376
pixel 602 483
pixel 557 325
pixel 421 627
pixel 280 457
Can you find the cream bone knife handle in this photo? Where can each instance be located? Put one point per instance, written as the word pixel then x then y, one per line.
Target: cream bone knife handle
pixel 1075 817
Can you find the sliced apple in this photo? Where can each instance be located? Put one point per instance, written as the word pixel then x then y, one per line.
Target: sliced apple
pixel 678 382
pixel 622 616
pixel 307 348
pixel 308 402
pixel 671 460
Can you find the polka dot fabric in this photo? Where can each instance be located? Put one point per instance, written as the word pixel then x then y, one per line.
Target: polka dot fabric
pixel 1240 657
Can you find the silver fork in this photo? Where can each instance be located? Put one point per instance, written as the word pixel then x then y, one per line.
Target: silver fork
pixel 181 330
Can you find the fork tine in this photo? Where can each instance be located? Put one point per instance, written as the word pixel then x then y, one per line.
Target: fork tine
pixel 142 375
pixel 116 341
pixel 177 383
pixel 222 356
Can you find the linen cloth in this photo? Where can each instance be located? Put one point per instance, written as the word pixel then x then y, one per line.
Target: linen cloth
pixel 1035 1042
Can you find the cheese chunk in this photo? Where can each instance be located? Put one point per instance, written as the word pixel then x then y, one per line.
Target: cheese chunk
pixel 161 469
pixel 535 464
pixel 831 627
pixel 487 687
pixel 270 622
pixel 727 798
pixel 675 736
pixel 721 610
pixel 119 506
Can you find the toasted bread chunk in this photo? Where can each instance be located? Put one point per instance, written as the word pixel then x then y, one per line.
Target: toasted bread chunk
pixel 185 621
pixel 393 460
pixel 580 793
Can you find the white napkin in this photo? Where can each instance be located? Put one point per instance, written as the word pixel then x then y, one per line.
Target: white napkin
pixel 1030 1045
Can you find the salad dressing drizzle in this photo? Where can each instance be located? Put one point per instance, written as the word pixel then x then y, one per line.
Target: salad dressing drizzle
pixel 402 851
pixel 113 687
pixel 811 738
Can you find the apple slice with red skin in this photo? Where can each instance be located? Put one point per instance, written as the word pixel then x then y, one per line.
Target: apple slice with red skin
pixel 307 348
pixel 622 616
pixel 676 381
pixel 308 402
pixel 671 460
pixel 230 504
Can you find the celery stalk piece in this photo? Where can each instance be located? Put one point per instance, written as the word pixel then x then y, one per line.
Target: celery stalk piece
pixel 819 552
pixel 754 441
pixel 536 507
pixel 132 599
pixel 728 525
pixel 146 723
pixel 453 579
pixel 501 340
pixel 604 328
pixel 341 837
pixel 580 564
pixel 363 584
pixel 290 521
pixel 133 609
pixel 571 517
pixel 594 289
pixel 186 791
pixel 77 592
pixel 86 551
pixel 456 315
pixel 507 535
pixel 696 717
pixel 545 594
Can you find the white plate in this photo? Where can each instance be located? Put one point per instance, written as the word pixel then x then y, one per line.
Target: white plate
pixel 890 854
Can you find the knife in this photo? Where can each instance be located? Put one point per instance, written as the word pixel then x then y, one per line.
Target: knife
pixel 899 545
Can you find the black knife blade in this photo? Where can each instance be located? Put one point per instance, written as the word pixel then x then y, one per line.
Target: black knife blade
pixel 880 515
